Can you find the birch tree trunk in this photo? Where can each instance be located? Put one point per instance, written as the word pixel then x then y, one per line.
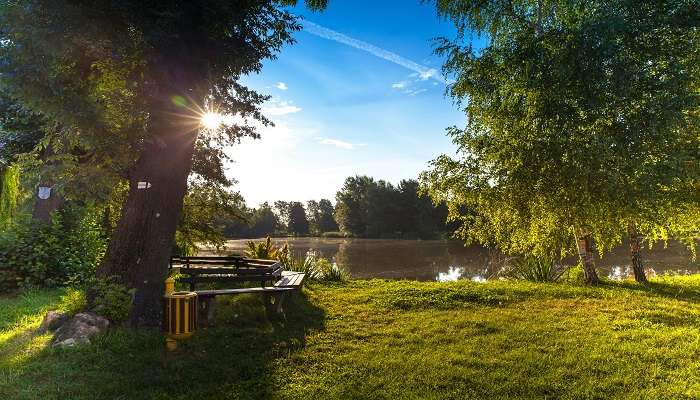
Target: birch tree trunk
pixel 635 253
pixel 584 243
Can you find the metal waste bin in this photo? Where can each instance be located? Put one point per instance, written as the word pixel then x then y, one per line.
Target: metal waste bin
pixel 179 314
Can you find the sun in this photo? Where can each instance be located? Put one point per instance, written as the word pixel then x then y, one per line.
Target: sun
pixel 211 120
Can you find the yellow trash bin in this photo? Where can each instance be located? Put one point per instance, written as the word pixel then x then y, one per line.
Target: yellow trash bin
pixel 179 314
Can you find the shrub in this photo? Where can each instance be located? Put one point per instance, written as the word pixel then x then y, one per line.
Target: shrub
pixel 52 254
pixel 111 299
pixel 74 301
pixel 574 274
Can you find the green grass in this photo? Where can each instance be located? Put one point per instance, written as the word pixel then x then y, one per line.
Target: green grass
pixel 386 340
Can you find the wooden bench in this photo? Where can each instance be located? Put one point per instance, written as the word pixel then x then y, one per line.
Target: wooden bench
pixel 273 297
pixel 238 269
pixel 227 269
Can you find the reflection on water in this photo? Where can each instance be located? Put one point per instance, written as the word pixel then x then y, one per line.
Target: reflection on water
pixel 452 274
pixel 430 260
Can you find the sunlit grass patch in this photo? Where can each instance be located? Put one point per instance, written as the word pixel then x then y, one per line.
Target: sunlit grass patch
pixel 390 339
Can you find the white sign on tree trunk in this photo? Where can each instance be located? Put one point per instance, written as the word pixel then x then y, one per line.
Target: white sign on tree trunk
pixel 44 192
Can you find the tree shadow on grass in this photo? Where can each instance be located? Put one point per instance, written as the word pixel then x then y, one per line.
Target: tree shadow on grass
pixel 235 358
pixel 677 291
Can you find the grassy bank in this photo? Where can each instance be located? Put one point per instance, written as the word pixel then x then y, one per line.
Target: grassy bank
pixel 376 339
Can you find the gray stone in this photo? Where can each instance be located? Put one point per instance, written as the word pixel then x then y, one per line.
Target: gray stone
pixel 70 342
pixel 52 321
pixel 80 329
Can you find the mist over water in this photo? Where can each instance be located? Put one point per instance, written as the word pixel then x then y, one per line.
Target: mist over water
pixel 441 260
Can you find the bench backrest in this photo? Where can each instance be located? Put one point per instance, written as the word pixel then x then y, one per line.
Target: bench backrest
pixel 211 265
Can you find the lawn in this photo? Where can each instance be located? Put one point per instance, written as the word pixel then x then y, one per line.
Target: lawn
pixel 385 339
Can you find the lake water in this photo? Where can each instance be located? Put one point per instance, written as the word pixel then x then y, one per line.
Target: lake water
pixel 429 260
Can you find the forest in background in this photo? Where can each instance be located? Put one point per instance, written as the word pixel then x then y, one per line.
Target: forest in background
pixel 364 207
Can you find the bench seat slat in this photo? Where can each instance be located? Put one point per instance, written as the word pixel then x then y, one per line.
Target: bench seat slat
pixel 208 293
pixel 291 279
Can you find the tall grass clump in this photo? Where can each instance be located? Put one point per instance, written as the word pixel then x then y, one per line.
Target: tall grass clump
pixel 533 269
pixel 264 250
pixel 307 265
pixel 315 267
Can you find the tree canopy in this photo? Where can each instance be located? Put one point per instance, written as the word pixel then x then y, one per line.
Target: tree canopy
pixel 373 209
pixel 122 86
pixel 582 120
pixel 320 216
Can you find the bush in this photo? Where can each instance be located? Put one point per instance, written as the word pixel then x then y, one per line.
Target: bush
pixel 74 301
pixel 111 299
pixel 53 254
pixel 574 274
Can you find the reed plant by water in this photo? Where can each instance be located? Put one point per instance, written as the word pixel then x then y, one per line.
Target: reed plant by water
pixel 317 268
pixel 533 269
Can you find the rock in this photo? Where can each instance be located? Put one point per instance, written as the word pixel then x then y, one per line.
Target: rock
pixel 70 342
pixel 52 321
pixel 80 329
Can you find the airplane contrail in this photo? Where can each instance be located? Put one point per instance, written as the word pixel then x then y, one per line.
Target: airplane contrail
pixel 422 70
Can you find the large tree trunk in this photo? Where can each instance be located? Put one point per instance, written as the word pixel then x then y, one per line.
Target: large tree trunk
pixel 584 243
pixel 44 207
pixel 635 253
pixel 140 247
pixel 46 198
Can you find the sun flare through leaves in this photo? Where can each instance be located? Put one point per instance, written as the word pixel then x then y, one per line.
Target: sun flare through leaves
pixel 211 120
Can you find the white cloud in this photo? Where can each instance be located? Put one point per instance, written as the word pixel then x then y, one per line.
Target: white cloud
pixel 281 86
pixel 422 70
pixel 278 107
pixel 413 92
pixel 409 86
pixel 339 143
pixel 424 76
pixel 281 110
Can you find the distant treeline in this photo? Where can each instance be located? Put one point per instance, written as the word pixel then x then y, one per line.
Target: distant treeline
pixel 364 208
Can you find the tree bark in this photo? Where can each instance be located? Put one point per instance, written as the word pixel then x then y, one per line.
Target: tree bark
pixel 44 208
pixel 635 253
pixel 584 243
pixel 141 244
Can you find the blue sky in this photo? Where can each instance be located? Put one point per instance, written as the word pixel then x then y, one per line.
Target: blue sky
pixel 359 93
